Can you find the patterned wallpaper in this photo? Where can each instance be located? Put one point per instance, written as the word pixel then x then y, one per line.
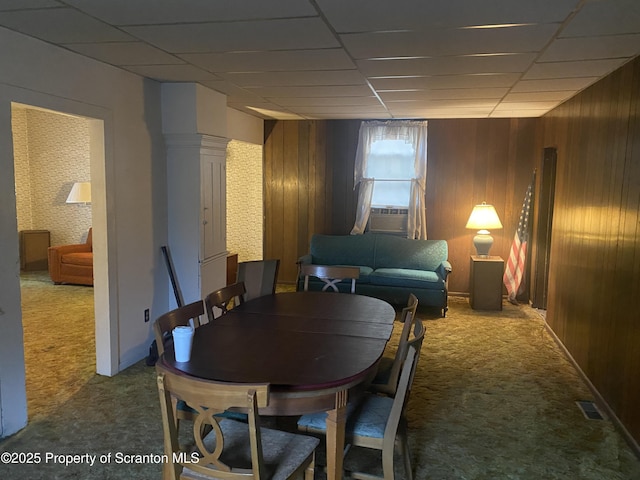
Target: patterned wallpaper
pixel 244 200
pixel 51 152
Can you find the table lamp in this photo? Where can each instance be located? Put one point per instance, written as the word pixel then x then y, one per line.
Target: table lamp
pixel 80 193
pixel 482 218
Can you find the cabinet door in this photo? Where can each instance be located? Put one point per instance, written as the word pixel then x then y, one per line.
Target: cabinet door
pixel 214 207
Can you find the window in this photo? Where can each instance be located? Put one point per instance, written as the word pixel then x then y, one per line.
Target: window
pixel 391 170
pixel 391 167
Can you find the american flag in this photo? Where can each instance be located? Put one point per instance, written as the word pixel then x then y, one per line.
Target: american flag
pixel 516 264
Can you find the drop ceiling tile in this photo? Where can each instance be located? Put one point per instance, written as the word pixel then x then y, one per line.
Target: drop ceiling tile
pixel 301 33
pixel 523 39
pixel 518 113
pixel 232 91
pixel 555 96
pixel 325 101
pixel 453 65
pixel 376 15
pixel 347 109
pixel 304 78
pixel 61 25
pixel 125 53
pixel 604 17
pixel 141 12
pixel 335 91
pixel 278 61
pixel 526 105
pixel 171 73
pixel 27 4
pixel 558 84
pixel 592 48
pixel 349 116
pixel 445 81
pixel 420 112
pixel 444 94
pixel 586 68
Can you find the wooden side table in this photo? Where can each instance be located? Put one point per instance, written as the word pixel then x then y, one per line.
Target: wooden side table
pixel 33 249
pixel 485 284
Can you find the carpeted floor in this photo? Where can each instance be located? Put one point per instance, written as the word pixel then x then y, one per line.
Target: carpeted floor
pixel 493 398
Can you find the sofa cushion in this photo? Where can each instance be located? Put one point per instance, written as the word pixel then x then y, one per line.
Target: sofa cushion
pixel 80 258
pixel 398 252
pixel 343 249
pixel 404 277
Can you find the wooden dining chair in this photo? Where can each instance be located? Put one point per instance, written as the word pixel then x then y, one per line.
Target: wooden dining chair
pixel 378 421
pixel 225 448
pixel 224 299
pixel 386 379
pixel 162 328
pixel 259 277
pixel 331 275
pixel 181 316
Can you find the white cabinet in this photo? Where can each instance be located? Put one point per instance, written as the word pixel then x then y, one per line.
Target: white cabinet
pixel 197 212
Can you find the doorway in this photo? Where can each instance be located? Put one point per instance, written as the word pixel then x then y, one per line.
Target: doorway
pixel 543 234
pixel 52 151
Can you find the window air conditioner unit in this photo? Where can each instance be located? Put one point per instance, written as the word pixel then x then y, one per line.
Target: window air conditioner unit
pixel 388 220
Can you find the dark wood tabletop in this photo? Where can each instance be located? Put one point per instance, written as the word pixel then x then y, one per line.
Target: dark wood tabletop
pixel 316 350
pixel 295 340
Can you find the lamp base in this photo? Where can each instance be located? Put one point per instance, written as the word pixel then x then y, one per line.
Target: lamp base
pixel 483 242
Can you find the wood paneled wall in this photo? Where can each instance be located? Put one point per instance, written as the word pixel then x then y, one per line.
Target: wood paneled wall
pixel 594 284
pixel 309 183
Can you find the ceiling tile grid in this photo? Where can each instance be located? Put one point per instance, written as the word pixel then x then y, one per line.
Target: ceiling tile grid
pixel 323 59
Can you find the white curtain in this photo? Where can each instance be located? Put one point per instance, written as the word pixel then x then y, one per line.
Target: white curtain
pixel 410 131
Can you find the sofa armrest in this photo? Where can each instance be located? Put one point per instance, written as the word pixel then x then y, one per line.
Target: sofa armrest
pixel 444 269
pixel 305 259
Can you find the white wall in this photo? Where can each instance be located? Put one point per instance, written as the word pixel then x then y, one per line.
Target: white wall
pixel 130 218
pixel 129 201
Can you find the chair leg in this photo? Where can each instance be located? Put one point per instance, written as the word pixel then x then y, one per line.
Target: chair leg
pixel 403 447
pixel 309 473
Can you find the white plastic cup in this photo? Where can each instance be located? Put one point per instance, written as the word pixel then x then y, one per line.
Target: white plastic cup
pixel 182 341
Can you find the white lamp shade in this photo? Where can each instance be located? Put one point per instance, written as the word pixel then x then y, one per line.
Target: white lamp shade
pixel 484 217
pixel 80 193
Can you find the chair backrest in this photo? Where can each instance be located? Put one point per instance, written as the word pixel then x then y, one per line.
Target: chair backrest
pixel 331 275
pixel 209 399
pixel 223 300
pixel 405 383
pixel 408 316
pixel 181 316
pixel 259 277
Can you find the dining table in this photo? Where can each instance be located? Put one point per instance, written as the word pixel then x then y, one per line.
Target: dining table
pixel 317 350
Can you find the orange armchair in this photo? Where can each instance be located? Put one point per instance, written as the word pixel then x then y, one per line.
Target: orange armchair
pixel 72 263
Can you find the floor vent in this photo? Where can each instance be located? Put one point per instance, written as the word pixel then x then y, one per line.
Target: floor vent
pixel 590 410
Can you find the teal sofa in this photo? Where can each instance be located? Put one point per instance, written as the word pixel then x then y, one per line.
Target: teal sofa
pixel 391 267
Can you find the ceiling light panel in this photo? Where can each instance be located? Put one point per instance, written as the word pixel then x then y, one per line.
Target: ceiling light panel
pixel 302 33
